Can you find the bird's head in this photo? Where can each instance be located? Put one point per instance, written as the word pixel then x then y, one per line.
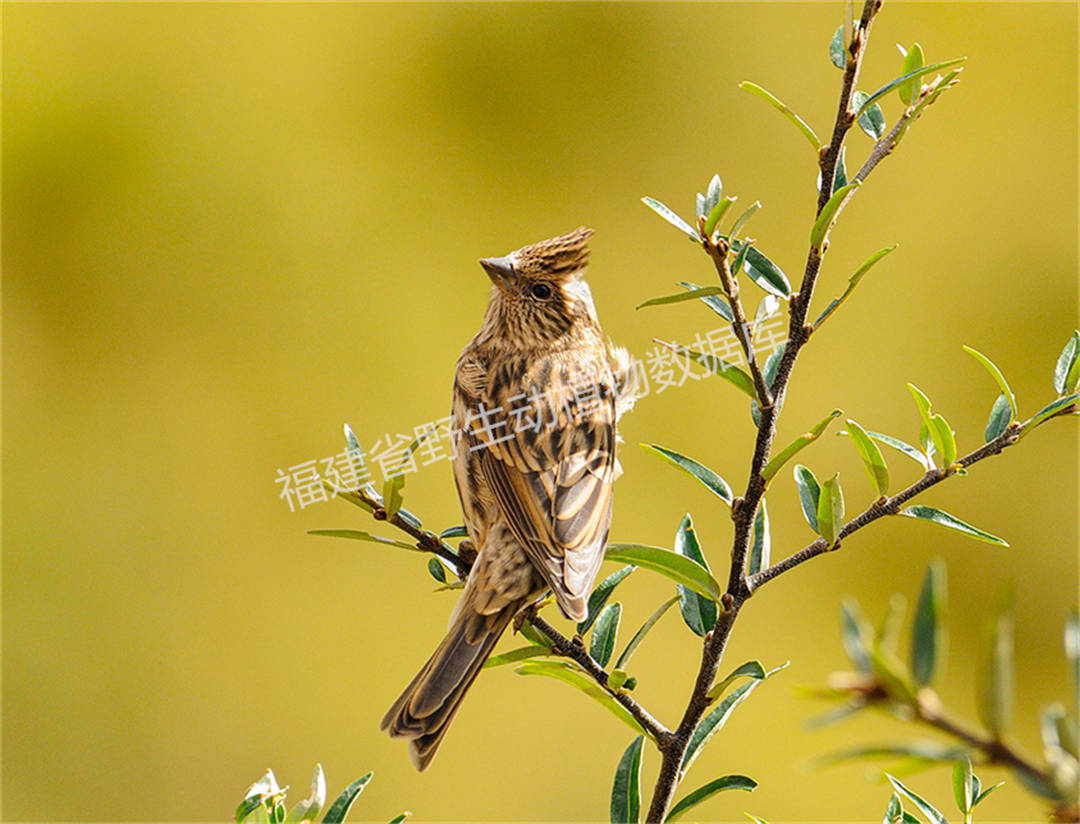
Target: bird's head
pixel 539 296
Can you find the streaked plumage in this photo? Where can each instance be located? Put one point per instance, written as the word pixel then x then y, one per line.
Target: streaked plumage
pixel 535 492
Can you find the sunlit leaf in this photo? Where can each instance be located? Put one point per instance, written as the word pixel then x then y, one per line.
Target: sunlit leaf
pixel 698 612
pixel 995 373
pixel 515 655
pixel 837 49
pixel 712 195
pixel 830 512
pixel 820 230
pixel 962 784
pixel 1051 409
pixel 781 107
pixel 763 271
pixel 853 281
pixel 1000 417
pixel 913 61
pixel 995 680
pixel 602 644
pixel 455 532
pixel 626 789
pixel 600 595
pixel 1067 368
pixel 343 803
pixel 751 669
pixel 894 812
pixel 672 218
pixel 359 535
pixel 928 633
pixel 716 303
pixel 760 543
pixel 699 472
pixel 809 493
pixel 735 375
pixel 727 782
pixel 916 455
pixel 639 636
pixel 872 120
pixel 678 568
pixel 937 516
pixel 570 674
pixel 986 792
pixel 800 443
pixel 741 221
pixel 693 294
pixel 864 104
pixel 307 809
pixel 929 811
pixel 871 457
pixel 717 214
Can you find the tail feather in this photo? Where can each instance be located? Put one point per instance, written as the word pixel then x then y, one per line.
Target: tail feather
pixel 423 712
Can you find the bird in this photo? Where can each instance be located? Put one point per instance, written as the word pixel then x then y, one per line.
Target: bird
pixel 537 396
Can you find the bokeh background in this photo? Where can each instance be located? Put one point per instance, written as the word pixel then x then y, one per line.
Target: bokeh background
pixel 227 229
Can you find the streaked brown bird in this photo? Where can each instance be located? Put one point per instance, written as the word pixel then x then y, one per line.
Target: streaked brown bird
pixel 537 394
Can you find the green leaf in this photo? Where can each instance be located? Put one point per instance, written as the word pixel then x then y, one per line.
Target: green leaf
pixel 825 218
pixel 741 221
pixel 986 792
pixel 865 104
pixel 872 120
pixel 600 596
pixel 602 644
pixel 840 178
pixel 892 674
pixel 830 513
pixel 343 803
pixel 739 263
pixel 913 61
pixel 247 807
pixel 871 457
pixel 853 281
pixel 1067 368
pixel 307 809
pixel 894 811
pixel 698 612
pixel 693 294
pixel 714 302
pixel 712 195
pixel 797 445
pixel 1050 410
pixel 575 677
pixel 717 214
pixel 995 682
pixel 995 373
pixel 928 633
pixel 962 785
pixel 727 782
pixel 678 568
pixel 854 634
pixel 937 516
pixel 1000 417
pixel 941 435
pixel 699 472
pixel 399 818
pixel 392 497
pixel 768 374
pixel 455 532
pixel 437 570
pixel 626 790
pixel 928 751
pixel 751 669
pixel 515 655
pixel 761 543
pixel 809 494
pixel 837 50
pixel 639 636
pixel 916 455
pixel 728 371
pixel 781 107
pixel 359 535
pixel 671 217
pixel 715 720
pixel 530 633
pixel 929 811
pixel 765 273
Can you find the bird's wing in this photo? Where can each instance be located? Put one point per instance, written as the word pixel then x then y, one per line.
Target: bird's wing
pixel 552 476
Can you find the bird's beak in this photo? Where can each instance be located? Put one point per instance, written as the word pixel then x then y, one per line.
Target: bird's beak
pixel 500 270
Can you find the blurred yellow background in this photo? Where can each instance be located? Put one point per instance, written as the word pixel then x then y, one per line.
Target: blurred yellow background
pixel 227 229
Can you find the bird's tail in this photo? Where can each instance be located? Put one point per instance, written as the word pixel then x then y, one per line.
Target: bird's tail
pixel 423 712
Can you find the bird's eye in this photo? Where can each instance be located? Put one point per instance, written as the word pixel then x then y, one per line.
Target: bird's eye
pixel 541 291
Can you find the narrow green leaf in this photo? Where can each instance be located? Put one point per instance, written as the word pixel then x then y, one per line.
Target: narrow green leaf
pixel 995 681
pixel 717 214
pixel 986 792
pixel 894 811
pixel 728 371
pixel 871 457
pixel 937 516
pixel 436 570
pixel 400 817
pixel 639 636
pixel 809 494
pixel 928 633
pixel 678 568
pixel 742 220
pixel 714 302
pixel 360 535
pixel 939 432
pixel 700 210
pixel 392 497
pixel 854 634
pixel 247 807
pixel 765 273
pixel 1067 368
pixel 672 218
pixel 602 644
pixel 575 677
pixel 761 543
pixel 916 455
pixel 1000 417
pixel 693 294
pixel 913 61
pixel 600 595
pixel 824 221
pixel 872 119
pixel 962 785
pixel 830 513
pixel 837 50
pixel 349 495
pixel 455 532
pixel 698 612
pixel 1050 410
pixel 931 752
pixel 751 669
pixel 727 782
pixel 865 104
pixel 530 633
pixel 699 472
pixel 853 281
pixel 712 195
pixel 515 655
pixel 739 263
pixel 929 811
pixel 781 107
pixel 715 720
pixel 351 440
pixel 797 445
pixel 626 789
pixel 995 373
pixel 307 809
pixel 343 803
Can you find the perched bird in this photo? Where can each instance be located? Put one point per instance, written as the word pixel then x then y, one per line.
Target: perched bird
pixel 537 394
